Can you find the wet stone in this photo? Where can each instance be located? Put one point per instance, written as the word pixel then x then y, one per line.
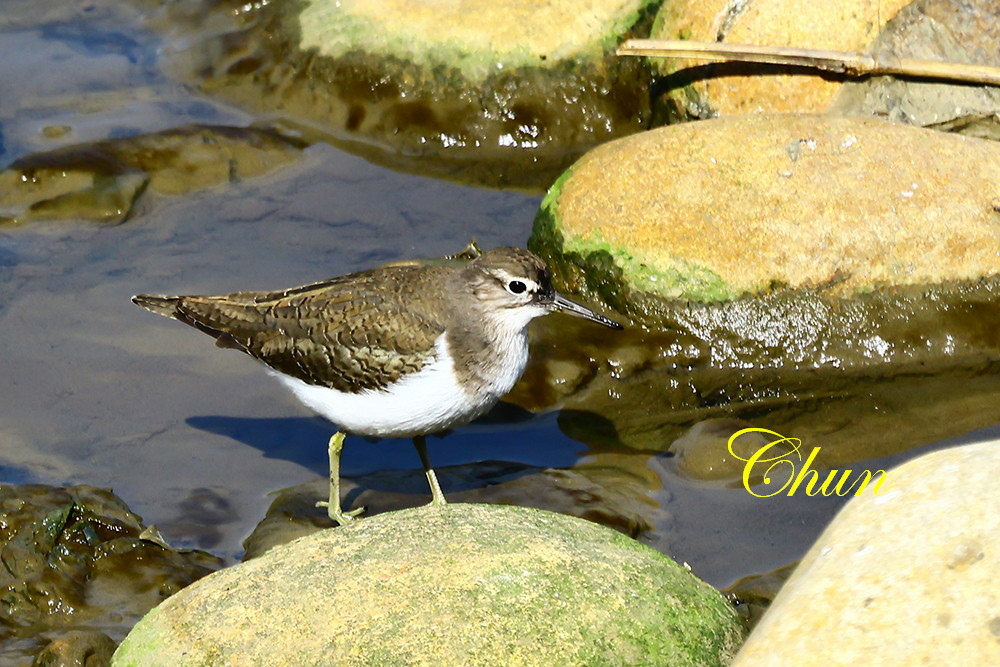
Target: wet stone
pixel 862 319
pixel 73 558
pixel 77 648
pixel 101 181
pixel 788 242
pixel 674 405
pixel 754 593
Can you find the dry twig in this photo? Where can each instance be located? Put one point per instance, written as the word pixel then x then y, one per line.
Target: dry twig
pixel 849 63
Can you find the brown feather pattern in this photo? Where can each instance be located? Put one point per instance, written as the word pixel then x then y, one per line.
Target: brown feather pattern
pixel 352 333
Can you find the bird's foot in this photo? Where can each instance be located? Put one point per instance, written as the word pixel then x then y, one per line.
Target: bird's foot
pixel 336 514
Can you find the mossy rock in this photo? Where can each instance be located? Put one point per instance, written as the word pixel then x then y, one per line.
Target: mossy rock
pixel 498 93
pixel 788 242
pixel 451 585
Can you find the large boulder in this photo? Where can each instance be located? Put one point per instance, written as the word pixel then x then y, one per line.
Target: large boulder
pixel 788 240
pixel 768 262
pixel 456 585
pixel 906 577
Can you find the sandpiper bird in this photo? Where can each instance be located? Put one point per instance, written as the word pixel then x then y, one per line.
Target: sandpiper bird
pixel 400 351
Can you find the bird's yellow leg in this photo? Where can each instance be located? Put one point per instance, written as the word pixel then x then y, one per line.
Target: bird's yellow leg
pixel 332 506
pixel 437 498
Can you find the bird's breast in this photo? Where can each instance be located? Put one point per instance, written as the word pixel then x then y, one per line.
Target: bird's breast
pixel 493 368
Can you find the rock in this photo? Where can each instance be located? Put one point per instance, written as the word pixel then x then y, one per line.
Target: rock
pixel 76 557
pixel 908 576
pixel 499 93
pixel 621 503
pixel 77 649
pixel 787 241
pixel 700 90
pixel 703 451
pixel 861 292
pixel 957 31
pixel 754 593
pixel 102 180
pixel 454 584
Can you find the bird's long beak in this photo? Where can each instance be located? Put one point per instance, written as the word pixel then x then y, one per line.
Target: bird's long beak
pixel 558 302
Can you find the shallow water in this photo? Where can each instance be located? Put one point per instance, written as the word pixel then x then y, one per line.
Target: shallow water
pixel 97 390
pixel 194 438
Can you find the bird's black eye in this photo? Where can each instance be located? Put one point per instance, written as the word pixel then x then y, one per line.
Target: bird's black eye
pixel 516 286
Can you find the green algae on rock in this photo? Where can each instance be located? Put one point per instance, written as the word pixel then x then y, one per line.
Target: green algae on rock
pixel 907 576
pixel 502 93
pixel 102 180
pixel 453 584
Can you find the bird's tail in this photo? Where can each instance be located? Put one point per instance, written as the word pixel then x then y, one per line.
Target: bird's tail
pixel 161 305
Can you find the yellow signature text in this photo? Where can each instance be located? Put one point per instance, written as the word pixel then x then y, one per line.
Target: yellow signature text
pixel 778 457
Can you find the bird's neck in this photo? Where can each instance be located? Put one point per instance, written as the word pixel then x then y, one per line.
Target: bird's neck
pixel 489 350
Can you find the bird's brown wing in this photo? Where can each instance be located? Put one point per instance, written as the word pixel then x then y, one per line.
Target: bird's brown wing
pixel 350 333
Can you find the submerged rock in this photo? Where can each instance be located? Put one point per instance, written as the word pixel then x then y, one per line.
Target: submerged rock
pixel 500 93
pixel 453 584
pixel 76 558
pixel 650 402
pixel 102 180
pixel 754 593
pixel 908 576
pixel 78 648
pixel 703 451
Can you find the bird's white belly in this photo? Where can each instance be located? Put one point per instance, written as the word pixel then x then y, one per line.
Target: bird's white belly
pixel 425 402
